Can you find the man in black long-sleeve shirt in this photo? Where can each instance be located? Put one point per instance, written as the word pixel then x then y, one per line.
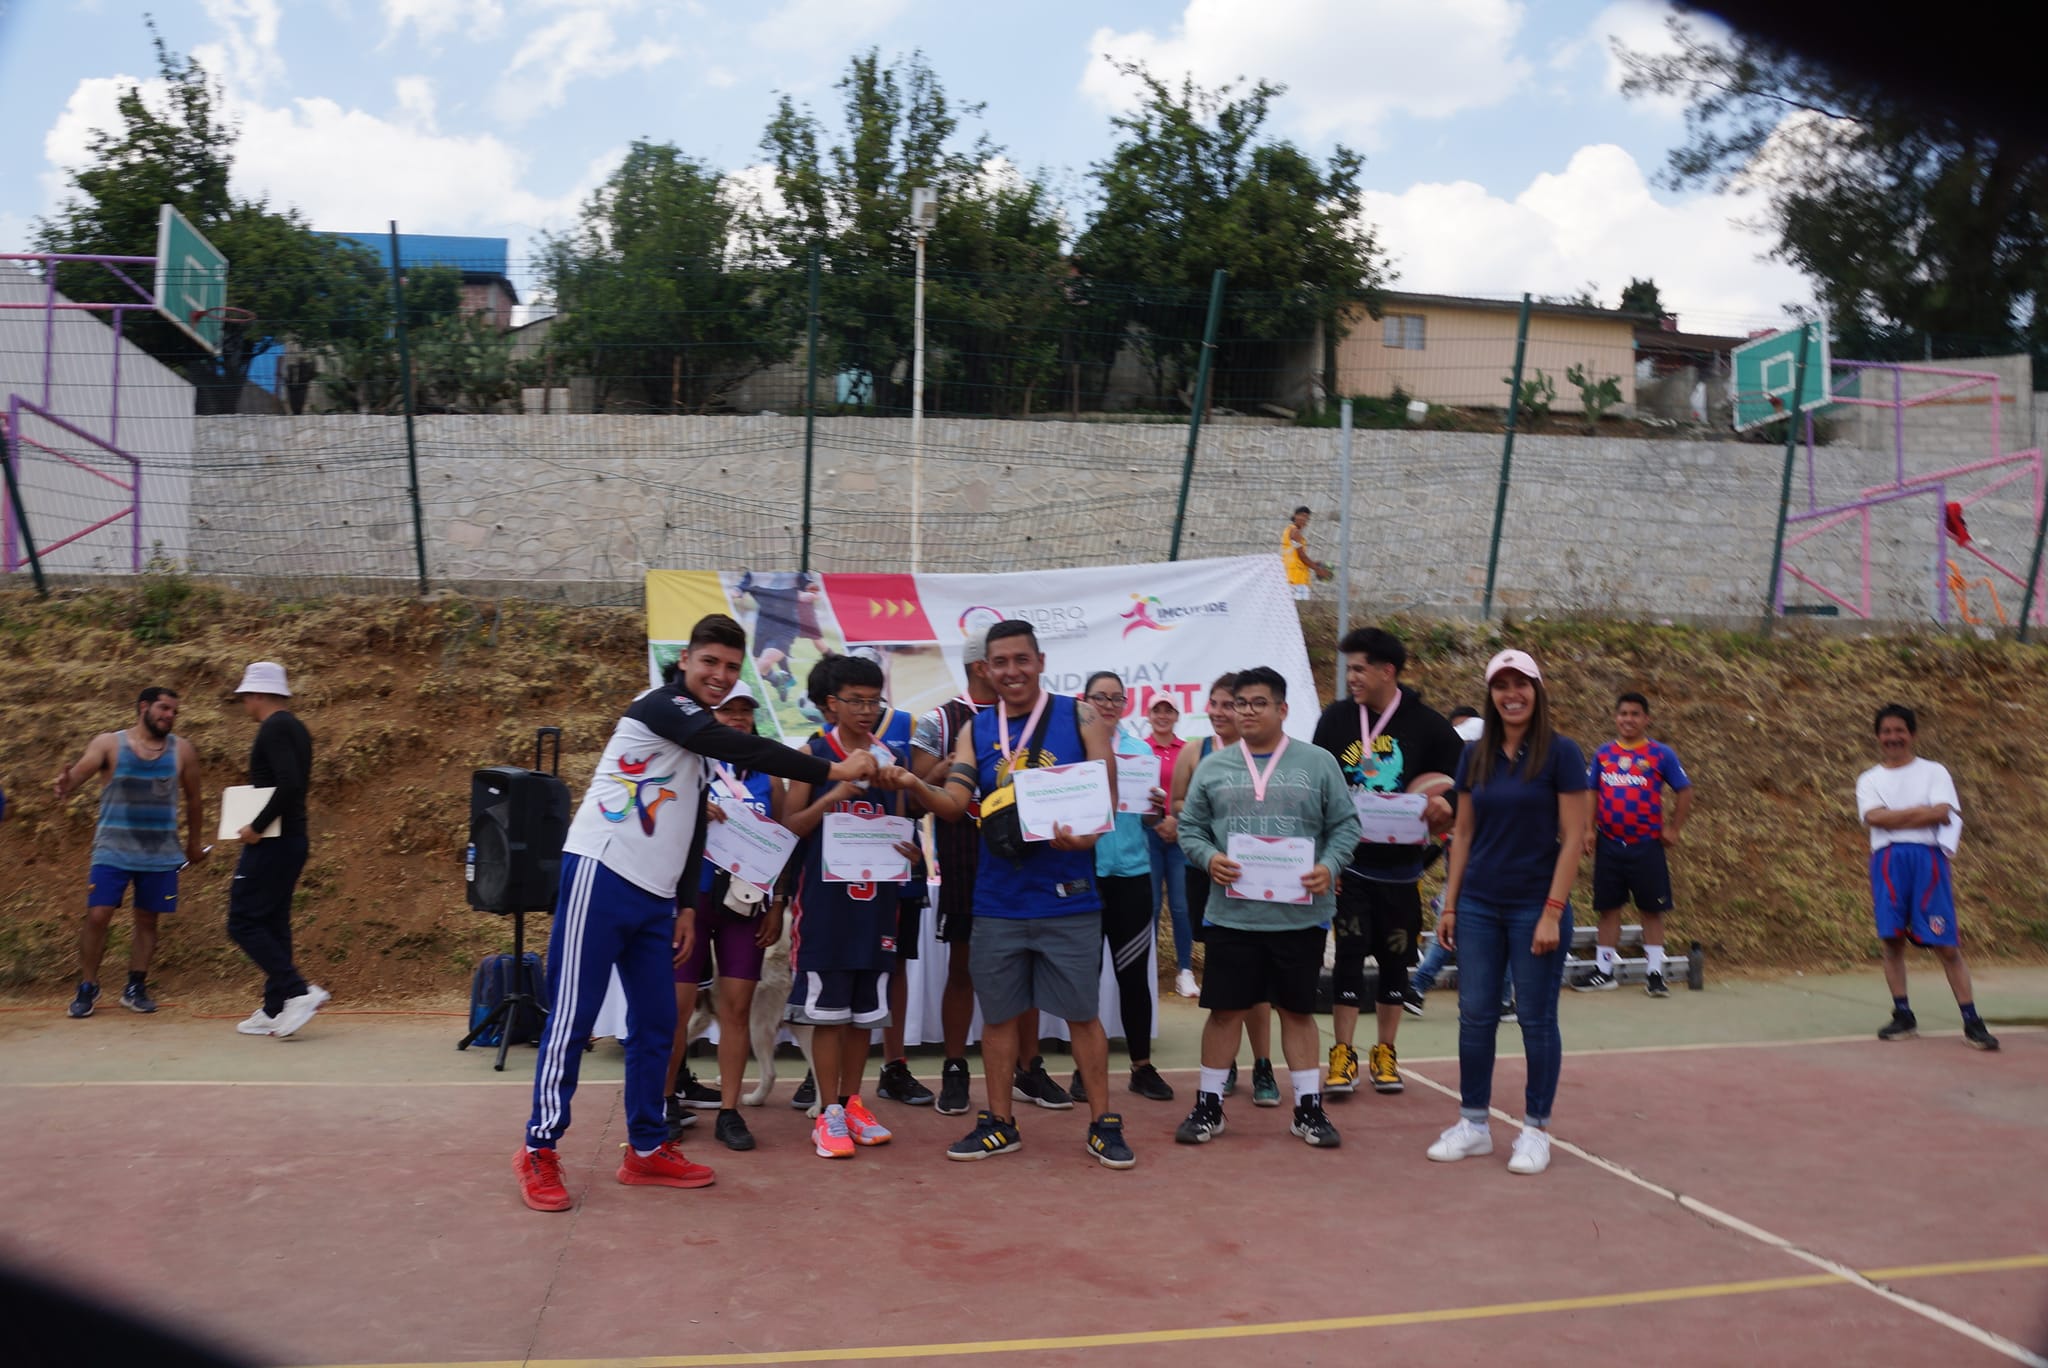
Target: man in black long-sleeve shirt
pixel 260 898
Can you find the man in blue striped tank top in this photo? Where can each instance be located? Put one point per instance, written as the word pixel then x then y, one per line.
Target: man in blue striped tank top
pixel 142 772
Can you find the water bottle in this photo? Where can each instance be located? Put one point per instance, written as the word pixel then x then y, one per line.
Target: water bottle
pixel 469 864
pixel 1696 968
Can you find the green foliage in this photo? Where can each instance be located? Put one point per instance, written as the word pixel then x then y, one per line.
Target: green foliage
pixel 1533 400
pixel 1597 395
pixel 165 590
pixel 1641 297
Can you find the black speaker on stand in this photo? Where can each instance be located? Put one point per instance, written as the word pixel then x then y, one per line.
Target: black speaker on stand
pixel 518 820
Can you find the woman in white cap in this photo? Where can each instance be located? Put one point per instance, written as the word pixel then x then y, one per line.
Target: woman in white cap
pixel 260 898
pixel 1521 824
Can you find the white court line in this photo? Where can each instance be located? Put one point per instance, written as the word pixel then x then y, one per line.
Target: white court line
pixel 2019 1353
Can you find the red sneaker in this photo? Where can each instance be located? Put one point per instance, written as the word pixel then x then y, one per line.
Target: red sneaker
pixel 666 1167
pixel 540 1179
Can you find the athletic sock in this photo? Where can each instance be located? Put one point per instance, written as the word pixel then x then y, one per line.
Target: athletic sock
pixel 1604 957
pixel 644 1154
pixel 136 977
pixel 1213 1080
pixel 1307 1084
pixel 1655 955
pixel 1969 1012
pixel 951 1060
pixel 1899 1004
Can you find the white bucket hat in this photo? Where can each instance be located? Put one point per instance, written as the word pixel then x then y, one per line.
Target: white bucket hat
pixel 264 677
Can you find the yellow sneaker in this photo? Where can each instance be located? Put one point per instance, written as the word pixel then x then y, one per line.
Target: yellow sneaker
pixel 1379 1063
pixel 1343 1076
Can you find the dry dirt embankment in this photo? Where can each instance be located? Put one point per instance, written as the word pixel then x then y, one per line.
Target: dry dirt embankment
pixel 405 698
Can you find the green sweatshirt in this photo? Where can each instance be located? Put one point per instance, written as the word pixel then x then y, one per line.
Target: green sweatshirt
pixel 1305 797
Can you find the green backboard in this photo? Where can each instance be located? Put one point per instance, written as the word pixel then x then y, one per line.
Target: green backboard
pixel 1768 368
pixel 191 278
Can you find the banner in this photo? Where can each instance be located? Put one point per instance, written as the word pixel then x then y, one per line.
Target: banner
pixel 1166 630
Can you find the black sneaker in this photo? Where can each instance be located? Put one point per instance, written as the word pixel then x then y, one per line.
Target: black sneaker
pixel 731 1131
pixel 1204 1123
pixel 1033 1084
pixel 953 1085
pixel 1411 1000
pixel 1902 1026
pixel 1507 1009
pixel 1146 1083
pixel 135 997
pixel 897 1085
pixel 81 1006
pixel 1230 1080
pixel 1314 1127
pixel 1599 981
pixel 1979 1035
pixel 1654 986
pixel 1077 1090
pixel 695 1094
pixel 679 1117
pixel 1106 1142
pixel 989 1138
pixel 805 1095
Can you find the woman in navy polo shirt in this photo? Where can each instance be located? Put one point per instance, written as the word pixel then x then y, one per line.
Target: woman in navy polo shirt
pixel 1523 809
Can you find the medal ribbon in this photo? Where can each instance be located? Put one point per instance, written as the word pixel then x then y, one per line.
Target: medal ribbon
pixel 1259 781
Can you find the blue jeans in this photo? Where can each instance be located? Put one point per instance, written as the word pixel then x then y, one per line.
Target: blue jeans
pixel 1170 865
pixel 1493 947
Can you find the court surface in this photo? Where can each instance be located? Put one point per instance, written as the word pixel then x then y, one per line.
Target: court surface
pixel 1746 1176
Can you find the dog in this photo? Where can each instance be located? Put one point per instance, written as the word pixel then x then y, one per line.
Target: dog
pixel 764 1022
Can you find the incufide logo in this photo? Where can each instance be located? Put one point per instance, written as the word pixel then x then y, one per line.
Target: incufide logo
pixel 1050 623
pixel 1149 613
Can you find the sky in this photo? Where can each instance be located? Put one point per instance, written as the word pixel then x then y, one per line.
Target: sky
pixel 1500 155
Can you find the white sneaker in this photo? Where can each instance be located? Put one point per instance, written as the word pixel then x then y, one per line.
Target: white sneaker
pixel 299 1010
pixel 261 1023
pixel 1184 984
pixel 1532 1151
pixel 1465 1140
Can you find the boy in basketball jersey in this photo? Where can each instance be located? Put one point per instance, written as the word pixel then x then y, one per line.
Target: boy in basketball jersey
pixel 842 941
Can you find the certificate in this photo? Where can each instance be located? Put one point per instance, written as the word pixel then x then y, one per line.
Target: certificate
pixel 1136 777
pixel 748 846
pixel 1074 796
pixel 240 806
pixel 1271 868
pixel 861 848
pixel 1391 818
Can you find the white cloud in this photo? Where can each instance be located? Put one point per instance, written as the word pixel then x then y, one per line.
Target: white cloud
pixel 1595 220
pixel 246 56
pixel 415 95
pixel 829 27
pixel 580 44
pixel 1348 65
pixel 431 19
pixel 1641 26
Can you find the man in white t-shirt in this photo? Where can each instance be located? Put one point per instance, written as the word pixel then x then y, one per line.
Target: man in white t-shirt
pixel 1916 823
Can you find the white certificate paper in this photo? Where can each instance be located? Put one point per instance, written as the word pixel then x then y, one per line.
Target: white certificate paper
pixel 1391 818
pixel 239 806
pixel 748 846
pixel 1271 867
pixel 1136 777
pixel 860 848
pixel 1074 796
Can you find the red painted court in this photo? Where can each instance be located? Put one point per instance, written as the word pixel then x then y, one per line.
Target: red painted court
pixel 359 1223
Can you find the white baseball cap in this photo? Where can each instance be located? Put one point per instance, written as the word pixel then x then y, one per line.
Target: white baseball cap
pixel 740 694
pixel 1521 662
pixel 264 677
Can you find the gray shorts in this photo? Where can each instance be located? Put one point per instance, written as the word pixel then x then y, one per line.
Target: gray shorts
pixel 1051 963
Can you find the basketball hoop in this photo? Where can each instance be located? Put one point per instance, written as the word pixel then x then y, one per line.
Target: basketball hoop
pixel 226 313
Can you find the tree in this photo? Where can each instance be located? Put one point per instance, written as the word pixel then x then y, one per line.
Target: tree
pixel 1919 226
pixel 1641 297
pixel 1193 185
pixel 179 150
pixel 661 294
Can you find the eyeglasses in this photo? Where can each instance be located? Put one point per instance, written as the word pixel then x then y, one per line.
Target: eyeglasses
pixel 1251 705
pixel 1109 700
pixel 859 704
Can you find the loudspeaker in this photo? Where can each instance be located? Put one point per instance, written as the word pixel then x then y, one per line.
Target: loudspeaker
pixel 518 819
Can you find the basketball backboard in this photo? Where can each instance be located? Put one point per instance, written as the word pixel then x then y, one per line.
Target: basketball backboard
pixel 1767 369
pixel 191 279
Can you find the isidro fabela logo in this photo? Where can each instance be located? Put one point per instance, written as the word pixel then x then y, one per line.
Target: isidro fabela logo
pixel 1050 622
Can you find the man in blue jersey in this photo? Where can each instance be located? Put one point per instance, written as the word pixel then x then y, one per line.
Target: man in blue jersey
pixel 1037 916
pixel 143 771
pixel 639 828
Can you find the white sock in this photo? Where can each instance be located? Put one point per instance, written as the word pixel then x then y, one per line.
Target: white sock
pixel 1655 955
pixel 533 1149
pixel 1605 956
pixel 1307 1083
pixel 1212 1080
pixel 644 1154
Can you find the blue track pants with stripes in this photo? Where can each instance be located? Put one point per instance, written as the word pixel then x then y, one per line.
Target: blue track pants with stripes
pixel 603 921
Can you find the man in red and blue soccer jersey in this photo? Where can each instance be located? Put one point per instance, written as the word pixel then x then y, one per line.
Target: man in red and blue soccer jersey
pixel 1630 834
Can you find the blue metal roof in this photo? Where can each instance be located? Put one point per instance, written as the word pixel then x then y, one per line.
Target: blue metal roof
pixel 471 255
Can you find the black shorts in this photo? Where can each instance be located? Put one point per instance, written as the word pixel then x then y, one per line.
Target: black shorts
pixel 1245 968
pixel 909 929
pixel 1625 870
pixel 1383 920
pixel 956 910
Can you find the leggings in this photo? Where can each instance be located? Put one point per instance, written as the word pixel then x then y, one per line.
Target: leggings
pixel 1129 924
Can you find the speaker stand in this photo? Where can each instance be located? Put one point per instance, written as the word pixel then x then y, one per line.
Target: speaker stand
pixel 504 1014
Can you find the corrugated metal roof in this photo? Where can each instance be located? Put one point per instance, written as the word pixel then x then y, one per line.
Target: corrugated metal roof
pixel 470 255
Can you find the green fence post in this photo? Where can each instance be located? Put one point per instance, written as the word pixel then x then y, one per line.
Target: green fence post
pixel 810 405
pixel 9 446
pixel 1785 484
pixel 1201 401
pixel 412 453
pixel 1507 459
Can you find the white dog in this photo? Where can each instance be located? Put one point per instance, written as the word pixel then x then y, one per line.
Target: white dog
pixel 764 1021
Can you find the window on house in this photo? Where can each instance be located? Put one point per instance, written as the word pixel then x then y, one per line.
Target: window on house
pixel 1403 331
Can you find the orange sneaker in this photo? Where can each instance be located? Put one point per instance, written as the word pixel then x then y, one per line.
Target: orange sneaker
pixel 540 1179
pixel 861 1122
pixel 831 1133
pixel 666 1167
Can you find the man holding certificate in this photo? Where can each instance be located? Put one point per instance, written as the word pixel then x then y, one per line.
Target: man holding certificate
pixel 1273 824
pixel 1398 755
